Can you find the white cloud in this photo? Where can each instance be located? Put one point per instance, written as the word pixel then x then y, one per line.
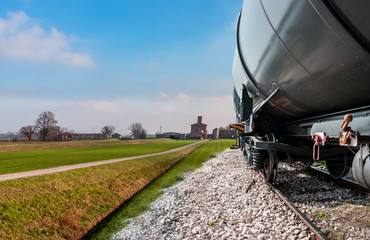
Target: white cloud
pixel 108 106
pixel 163 95
pixel 21 38
pixel 95 105
pixel 182 97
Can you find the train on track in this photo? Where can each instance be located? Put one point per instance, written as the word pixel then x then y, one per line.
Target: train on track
pixel 301 76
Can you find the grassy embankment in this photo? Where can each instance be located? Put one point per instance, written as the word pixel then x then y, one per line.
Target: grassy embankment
pixel 21 160
pixel 140 202
pixel 66 205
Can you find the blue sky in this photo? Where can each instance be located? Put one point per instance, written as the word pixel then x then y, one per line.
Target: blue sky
pixel 94 63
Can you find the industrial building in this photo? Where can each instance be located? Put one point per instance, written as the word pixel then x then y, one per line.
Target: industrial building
pixel 198 130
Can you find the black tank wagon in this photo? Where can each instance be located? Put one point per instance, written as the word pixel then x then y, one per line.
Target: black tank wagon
pixel 301 77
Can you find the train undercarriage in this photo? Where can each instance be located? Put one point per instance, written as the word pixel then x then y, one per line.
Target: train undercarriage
pixel 342 144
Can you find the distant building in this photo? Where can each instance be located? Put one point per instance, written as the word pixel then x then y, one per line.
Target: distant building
pixel 171 135
pixel 54 134
pixel 116 136
pixel 88 136
pixel 215 133
pixel 198 130
pixel 151 135
pixel 66 136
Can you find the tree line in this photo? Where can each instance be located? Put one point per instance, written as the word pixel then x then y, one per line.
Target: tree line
pixel 46 128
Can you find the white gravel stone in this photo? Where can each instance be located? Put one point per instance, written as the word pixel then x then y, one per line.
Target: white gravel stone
pixel 224 199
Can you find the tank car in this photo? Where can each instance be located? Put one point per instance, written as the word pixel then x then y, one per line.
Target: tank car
pixel 301 76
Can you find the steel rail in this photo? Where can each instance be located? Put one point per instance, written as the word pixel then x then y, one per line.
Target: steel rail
pixel 319 234
pixel 341 181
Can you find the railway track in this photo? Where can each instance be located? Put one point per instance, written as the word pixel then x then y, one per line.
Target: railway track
pixel 324 204
pixel 319 234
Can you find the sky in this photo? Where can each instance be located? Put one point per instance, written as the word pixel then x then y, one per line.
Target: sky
pixel 114 62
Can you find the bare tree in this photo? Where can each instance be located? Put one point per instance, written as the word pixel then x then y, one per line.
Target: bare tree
pixel 46 124
pixel 28 131
pixel 108 130
pixel 137 130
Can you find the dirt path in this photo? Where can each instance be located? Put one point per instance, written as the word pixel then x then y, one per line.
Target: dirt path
pixel 39 172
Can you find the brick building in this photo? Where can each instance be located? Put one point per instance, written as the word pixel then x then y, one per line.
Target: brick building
pixel 198 130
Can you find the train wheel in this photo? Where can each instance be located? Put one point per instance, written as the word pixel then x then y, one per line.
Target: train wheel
pixel 338 168
pixel 250 156
pixel 270 167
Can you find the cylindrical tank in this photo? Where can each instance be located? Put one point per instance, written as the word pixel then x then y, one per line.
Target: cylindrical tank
pixel 361 167
pixel 315 52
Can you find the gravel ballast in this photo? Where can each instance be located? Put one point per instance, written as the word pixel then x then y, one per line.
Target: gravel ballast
pixel 224 199
pixel 340 212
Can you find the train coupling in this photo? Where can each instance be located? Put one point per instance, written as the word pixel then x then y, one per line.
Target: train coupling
pixel 319 139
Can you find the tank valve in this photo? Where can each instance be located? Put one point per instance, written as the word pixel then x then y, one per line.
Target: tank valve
pixel 348 131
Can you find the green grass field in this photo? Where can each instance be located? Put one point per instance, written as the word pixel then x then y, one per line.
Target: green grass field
pixel 20 161
pixel 140 202
pixel 38 145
